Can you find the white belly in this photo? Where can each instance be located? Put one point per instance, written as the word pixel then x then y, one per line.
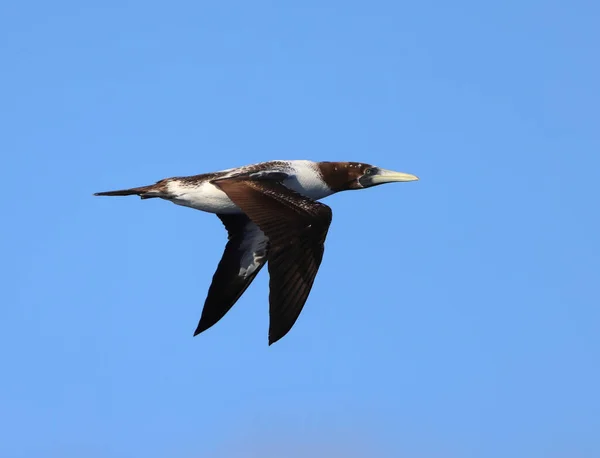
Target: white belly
pixel 206 197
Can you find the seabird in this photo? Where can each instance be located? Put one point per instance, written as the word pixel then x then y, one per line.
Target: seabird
pixel 271 214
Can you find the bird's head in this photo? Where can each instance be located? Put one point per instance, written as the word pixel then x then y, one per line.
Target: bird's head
pixel 342 176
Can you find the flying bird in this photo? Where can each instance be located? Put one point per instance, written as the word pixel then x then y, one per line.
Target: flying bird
pixel 271 213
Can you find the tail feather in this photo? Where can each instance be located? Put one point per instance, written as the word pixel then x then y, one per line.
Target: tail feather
pixel 142 191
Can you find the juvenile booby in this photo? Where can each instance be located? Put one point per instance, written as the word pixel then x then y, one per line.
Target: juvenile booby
pixel 271 214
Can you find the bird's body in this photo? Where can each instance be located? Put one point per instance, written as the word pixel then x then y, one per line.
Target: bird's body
pixel 271 214
pixel 199 191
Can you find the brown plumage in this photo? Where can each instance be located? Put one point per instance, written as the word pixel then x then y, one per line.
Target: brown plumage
pixel 296 227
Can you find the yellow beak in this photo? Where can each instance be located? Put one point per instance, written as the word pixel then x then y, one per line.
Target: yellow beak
pixel 389 176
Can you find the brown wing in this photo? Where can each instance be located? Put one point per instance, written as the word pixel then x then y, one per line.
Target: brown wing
pixel 296 227
pixel 245 254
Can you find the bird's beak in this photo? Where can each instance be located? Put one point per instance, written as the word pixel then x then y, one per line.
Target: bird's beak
pixel 389 176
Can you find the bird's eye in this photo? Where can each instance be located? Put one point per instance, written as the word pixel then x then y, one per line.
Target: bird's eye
pixel 370 171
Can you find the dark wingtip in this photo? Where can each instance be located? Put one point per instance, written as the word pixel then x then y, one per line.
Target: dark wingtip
pixel 273 339
pixel 201 328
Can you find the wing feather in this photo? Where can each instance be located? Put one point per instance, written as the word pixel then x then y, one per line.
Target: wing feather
pixel 244 256
pixel 296 227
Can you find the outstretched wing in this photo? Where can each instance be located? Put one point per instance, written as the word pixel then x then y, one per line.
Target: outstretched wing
pixel 245 254
pixel 296 227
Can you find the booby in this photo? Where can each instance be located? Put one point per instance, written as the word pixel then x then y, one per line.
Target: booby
pixel 271 213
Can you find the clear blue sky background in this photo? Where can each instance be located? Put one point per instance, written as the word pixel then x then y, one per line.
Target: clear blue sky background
pixel 453 317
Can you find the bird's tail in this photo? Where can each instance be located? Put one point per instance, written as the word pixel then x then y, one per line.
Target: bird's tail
pixel 145 192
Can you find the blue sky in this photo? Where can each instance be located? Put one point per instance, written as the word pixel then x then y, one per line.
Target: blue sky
pixel 453 317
